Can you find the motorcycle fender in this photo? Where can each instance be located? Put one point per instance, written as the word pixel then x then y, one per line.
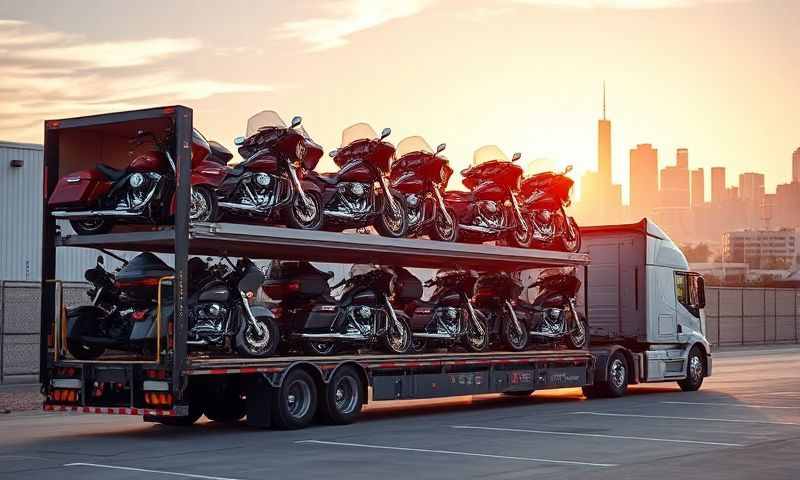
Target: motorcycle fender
pixel 309 186
pixel 211 175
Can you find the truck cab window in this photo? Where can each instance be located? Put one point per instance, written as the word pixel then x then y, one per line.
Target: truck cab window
pixel 689 292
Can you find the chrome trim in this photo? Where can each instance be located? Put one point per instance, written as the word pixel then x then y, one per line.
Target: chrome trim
pixel 442 206
pixel 153 385
pixel 66 383
pixel 332 336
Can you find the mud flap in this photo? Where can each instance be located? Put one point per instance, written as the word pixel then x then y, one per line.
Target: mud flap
pixel 259 404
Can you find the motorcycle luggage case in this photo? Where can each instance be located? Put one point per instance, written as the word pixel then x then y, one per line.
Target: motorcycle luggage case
pixel 299 279
pixel 139 278
pixel 318 319
pixel 79 188
pixel 407 287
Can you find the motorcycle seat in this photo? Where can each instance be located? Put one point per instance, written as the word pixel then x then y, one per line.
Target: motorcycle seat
pixel 110 172
pixel 424 304
pixel 458 196
pixel 218 152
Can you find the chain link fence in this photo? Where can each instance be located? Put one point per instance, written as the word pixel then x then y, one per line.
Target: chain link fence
pixel 734 316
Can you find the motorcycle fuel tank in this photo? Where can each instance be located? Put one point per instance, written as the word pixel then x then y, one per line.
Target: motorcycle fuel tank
pixel 151 161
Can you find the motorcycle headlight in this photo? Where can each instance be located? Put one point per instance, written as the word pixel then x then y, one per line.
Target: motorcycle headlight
pixel 263 180
pixel 136 180
pixel 300 150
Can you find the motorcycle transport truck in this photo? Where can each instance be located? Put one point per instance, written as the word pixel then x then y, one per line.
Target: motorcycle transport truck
pixel 643 307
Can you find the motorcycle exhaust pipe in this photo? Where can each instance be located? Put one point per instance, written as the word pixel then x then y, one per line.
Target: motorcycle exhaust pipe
pixel 96 213
pixel 196 342
pixel 332 336
pixel 238 206
pixel 440 336
pixel 547 335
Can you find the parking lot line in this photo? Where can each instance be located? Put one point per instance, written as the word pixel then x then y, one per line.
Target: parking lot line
pixel 723 404
pixel 697 419
pixel 767 394
pixel 451 452
pixel 597 435
pixel 145 470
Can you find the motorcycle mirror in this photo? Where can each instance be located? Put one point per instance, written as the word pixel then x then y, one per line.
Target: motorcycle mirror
pixel 139 133
pixel 296 121
pixel 386 132
pixel 333 152
pixel 441 148
pixel 568 169
pixel 238 141
pixel 516 156
pixel 100 260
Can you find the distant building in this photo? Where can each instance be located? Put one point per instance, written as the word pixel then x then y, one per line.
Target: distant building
pixel 682 158
pixel 643 179
pixel 698 187
pixel 751 187
pixel 717 185
pixel 762 249
pixel 796 166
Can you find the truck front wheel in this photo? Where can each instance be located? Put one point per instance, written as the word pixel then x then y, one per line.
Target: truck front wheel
pixel 695 371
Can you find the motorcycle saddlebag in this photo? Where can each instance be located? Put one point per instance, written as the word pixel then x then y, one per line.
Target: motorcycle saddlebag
pixel 79 188
pixel 299 279
pixel 138 280
pixel 407 287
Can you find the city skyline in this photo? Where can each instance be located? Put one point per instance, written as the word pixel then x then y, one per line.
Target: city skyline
pixel 522 74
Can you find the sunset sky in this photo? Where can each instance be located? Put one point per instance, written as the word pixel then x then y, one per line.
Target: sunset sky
pixel 721 77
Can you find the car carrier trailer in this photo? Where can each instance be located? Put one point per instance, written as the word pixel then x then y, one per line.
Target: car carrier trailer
pixel 175 386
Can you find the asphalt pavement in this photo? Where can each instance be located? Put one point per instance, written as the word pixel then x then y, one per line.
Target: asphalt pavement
pixel 743 424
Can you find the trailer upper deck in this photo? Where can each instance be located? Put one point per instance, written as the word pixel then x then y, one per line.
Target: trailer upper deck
pixel 257 241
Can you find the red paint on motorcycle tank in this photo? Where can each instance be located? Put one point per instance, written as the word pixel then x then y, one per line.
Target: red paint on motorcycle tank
pixel 79 188
pixel 361 173
pixel 200 149
pixel 265 164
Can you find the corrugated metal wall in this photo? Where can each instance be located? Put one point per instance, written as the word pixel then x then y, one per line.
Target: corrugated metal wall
pixel 20 217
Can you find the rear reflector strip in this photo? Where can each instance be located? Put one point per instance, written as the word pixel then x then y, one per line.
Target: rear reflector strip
pixel 109 410
pixel 152 385
pixel 66 382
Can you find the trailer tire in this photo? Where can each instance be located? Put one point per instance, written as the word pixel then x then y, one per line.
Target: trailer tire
pixel 343 397
pixel 695 371
pixel 294 403
pixel 228 407
pixel 616 382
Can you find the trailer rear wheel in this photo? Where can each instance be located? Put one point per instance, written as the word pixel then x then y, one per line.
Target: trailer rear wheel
pixel 695 371
pixel 295 401
pixel 228 406
pixel 343 397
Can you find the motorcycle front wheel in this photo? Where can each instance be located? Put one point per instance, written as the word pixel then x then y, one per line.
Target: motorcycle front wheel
pixel 305 216
pixel 571 245
pixel 520 238
pixel 393 223
pixel 260 340
pixel 443 230
pixel 516 341
pixel 398 339
pixel 92 226
pixel 579 336
pixel 474 340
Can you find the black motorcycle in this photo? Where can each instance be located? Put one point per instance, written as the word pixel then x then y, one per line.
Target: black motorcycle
pixel 222 313
pixel 124 311
pixel 323 325
pixel 551 317
pixel 449 317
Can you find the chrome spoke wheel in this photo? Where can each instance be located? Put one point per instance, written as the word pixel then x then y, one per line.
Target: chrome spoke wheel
pixel 306 211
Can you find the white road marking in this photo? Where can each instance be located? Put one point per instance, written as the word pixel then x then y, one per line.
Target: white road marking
pixel 699 419
pixel 598 435
pixel 144 470
pixel 451 452
pixel 722 404
pixel 767 394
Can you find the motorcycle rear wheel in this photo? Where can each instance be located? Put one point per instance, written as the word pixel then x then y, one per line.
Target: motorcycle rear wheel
pixel 203 205
pixel 393 224
pixel 92 226
pixel 82 351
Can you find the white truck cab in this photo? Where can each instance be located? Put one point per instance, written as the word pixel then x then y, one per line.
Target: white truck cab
pixel 641 295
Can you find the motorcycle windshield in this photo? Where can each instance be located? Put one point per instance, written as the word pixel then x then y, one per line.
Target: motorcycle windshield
pixel 488 153
pixel 262 120
pixel 412 144
pixel 359 131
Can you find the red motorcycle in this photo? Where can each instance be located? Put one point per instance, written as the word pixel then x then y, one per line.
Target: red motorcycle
pixel 489 210
pixel 359 194
pixel 545 196
pixel 269 184
pixel 95 200
pixel 421 175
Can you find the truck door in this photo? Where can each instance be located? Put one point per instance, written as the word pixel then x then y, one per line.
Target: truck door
pixel 663 305
pixel 690 296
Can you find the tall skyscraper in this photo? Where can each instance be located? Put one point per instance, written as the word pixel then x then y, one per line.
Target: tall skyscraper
pixel 751 187
pixel 643 179
pixel 698 184
pixel 796 166
pixel 717 185
pixel 682 158
pixel 604 144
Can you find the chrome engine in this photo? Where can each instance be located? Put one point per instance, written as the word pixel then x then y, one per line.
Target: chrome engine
pixel 208 322
pixel 139 191
pixel 362 321
pixel 415 209
pixel 552 322
pixel 489 214
pixel 544 228
pixel 448 321
pixel 353 199
pixel 262 191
